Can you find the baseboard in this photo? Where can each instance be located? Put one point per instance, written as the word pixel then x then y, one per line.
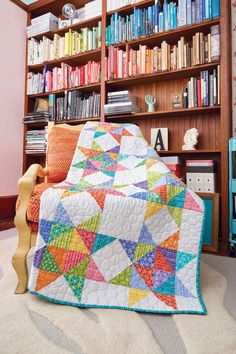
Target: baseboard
pixel 7 211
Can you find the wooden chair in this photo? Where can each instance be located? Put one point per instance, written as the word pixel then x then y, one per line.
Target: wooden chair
pixel 62 141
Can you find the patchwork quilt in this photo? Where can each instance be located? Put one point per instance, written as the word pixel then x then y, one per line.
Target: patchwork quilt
pixel 121 231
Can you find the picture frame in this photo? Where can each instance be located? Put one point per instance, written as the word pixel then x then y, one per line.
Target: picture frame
pixel 211 222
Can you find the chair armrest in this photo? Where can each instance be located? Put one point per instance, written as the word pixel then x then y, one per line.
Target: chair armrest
pixel 26 185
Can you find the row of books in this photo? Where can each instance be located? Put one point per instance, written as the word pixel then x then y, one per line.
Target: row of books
pixel 203 49
pixel 74 105
pixel 71 44
pixel 203 91
pixel 36 141
pixel 65 77
pixel 37 117
pixel 159 18
pixel 42 24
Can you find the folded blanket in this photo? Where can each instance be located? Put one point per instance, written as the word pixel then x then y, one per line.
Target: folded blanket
pixel 121 232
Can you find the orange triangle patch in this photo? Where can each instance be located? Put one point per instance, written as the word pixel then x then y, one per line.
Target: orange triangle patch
pixel 161 191
pixel 60 255
pixel 45 278
pixel 167 299
pixel 99 196
pixel 146 274
pixel 171 242
pixel 161 263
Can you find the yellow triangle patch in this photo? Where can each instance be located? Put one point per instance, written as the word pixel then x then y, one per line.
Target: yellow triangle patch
pixel 152 209
pixel 136 295
pixel 77 244
pixel 176 214
pixel 91 224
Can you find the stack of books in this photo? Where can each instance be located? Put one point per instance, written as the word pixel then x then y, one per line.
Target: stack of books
pixel 121 102
pixel 36 141
pixel 93 9
pixel 72 105
pixel 37 117
pixel 175 165
pixel 163 16
pixel 203 49
pixel 65 77
pixel 203 91
pixel 201 175
pixel 62 46
pixel 42 24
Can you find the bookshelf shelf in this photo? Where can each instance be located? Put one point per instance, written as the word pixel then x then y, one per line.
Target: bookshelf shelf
pixel 91 87
pixel 162 75
pixel 77 59
pixel 213 123
pixel 76 27
pixel 159 114
pixel 80 120
pixel 177 152
pixel 172 35
pixel 36 154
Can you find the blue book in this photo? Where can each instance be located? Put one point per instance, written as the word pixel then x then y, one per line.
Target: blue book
pixel 168 18
pixel 215 4
pixel 164 14
pixel 144 23
pixel 203 10
pixel 207 88
pixel 182 12
pixel 156 15
pixel 150 20
pixel 207 8
pixel 189 12
pixel 171 15
pixel 210 9
pixel 193 12
pixel 197 7
pixel 141 22
pixel 175 16
pixel 135 22
pixel 161 24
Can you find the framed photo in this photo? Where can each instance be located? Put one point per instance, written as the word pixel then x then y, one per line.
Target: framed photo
pixel 211 224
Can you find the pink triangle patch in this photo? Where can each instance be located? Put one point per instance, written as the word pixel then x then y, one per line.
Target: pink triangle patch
pixel 191 204
pixel 89 172
pixel 73 258
pixel 97 164
pixel 93 272
pixel 88 238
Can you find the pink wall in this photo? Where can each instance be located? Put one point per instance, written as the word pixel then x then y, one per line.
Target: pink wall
pixel 12 68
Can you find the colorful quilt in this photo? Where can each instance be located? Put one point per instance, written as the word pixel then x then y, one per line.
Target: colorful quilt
pixel 121 231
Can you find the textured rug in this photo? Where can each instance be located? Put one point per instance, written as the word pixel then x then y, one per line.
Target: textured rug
pixel 31 325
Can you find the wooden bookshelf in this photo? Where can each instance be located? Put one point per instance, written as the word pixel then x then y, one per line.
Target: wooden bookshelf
pixel 214 123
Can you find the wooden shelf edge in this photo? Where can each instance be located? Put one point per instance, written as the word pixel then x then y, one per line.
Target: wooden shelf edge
pixel 88 53
pixel 157 114
pixel 82 88
pixel 80 120
pixel 162 74
pixel 189 152
pixel 128 8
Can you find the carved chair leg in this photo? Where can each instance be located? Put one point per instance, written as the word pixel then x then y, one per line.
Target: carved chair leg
pixel 19 259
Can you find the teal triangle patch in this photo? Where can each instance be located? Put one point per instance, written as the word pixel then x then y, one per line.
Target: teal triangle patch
pixel 98 134
pixel 178 200
pixel 101 241
pixel 168 287
pixel 183 259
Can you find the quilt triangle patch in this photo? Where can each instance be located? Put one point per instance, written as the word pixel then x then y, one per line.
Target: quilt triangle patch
pixel 183 259
pixel 178 200
pixel 176 214
pixel 45 278
pixel 136 281
pixel 122 278
pixel 161 263
pixel 101 241
pixel 45 229
pixel 76 284
pixel 141 250
pixel 191 204
pixel 129 247
pixel 57 230
pixel 142 185
pixel 159 277
pixel 99 196
pixel 161 191
pixel 60 256
pixel 92 224
pixel 136 295
pixel 93 273
pixel 152 209
pixel 73 258
pixel 80 269
pixel 148 260
pixel 48 263
pixel 146 274
pixel 96 146
pixel 88 237
pixel 145 236
pixel 61 216
pixel 77 244
pixel 170 256
pixel 167 287
pixel 180 289
pixel 171 242
pixel 167 299
pixel 62 239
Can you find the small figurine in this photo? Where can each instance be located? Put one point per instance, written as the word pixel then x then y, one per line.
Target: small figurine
pixel 150 101
pixel 190 139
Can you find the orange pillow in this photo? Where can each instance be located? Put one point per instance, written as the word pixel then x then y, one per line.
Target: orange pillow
pixel 61 147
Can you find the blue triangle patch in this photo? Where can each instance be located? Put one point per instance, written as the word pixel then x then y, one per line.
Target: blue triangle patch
pixel 140 195
pixel 136 281
pixel 145 236
pixel 45 229
pixel 149 259
pixel 129 247
pixel 61 216
pixel 118 131
pixel 98 134
pixel 180 289
pixel 142 185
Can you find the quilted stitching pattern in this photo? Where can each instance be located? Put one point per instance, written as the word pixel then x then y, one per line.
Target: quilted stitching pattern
pixel 121 231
